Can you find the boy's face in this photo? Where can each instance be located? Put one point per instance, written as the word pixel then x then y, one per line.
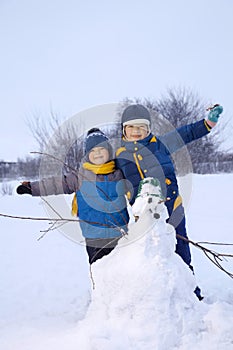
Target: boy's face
pixel 98 155
pixel 136 132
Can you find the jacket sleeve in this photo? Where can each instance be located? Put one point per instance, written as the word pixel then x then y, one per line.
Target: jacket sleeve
pixel 176 139
pixel 55 185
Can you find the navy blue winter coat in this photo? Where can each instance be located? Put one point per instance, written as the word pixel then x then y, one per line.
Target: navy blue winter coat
pixel 151 157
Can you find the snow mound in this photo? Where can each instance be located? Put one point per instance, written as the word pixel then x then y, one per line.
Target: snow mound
pixel 143 296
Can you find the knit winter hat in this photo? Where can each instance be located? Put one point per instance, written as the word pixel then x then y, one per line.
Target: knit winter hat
pixel 136 114
pixel 96 138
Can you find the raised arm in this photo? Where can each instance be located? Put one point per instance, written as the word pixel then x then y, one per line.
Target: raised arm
pixel 179 137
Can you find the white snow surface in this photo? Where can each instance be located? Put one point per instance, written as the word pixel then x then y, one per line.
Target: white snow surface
pixel 143 297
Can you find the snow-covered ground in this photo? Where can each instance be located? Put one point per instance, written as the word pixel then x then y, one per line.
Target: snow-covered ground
pixel 143 296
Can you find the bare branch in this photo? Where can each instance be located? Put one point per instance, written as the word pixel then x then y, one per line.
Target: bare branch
pixel 54 226
pixel 64 220
pixel 215 257
pixel 212 255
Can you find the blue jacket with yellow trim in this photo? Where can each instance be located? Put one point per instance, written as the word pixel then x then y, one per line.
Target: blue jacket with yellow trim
pixel 151 157
pixel 102 205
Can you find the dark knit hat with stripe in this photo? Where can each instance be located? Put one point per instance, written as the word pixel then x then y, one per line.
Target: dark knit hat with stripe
pixel 96 138
pixel 136 113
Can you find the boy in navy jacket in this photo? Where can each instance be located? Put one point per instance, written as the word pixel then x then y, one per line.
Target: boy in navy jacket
pixel 145 155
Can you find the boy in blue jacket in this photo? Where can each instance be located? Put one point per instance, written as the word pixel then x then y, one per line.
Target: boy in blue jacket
pixel 100 196
pixel 145 155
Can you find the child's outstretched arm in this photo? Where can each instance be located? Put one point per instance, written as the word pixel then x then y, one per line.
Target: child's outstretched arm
pixel 176 139
pixel 66 184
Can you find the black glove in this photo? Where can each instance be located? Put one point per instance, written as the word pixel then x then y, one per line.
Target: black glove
pixel 24 188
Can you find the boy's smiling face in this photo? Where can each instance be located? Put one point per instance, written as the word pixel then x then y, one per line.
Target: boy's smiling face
pixel 136 132
pixel 98 155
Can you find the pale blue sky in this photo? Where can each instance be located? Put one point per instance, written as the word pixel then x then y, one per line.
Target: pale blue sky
pixel 72 55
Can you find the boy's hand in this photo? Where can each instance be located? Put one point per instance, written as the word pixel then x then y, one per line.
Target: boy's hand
pixel 214 114
pixel 25 187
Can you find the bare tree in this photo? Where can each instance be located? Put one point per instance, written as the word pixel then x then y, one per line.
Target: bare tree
pixel 56 134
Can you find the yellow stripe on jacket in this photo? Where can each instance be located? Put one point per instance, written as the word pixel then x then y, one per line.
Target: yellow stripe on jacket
pixel 74 210
pixel 178 201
